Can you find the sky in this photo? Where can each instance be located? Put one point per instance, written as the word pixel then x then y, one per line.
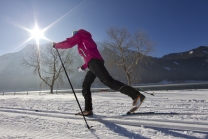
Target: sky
pixel 174 25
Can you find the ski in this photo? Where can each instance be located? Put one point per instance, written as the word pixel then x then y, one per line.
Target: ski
pixel 160 113
pixel 138 114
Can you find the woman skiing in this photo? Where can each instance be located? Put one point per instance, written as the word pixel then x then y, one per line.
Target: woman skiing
pixel 87 48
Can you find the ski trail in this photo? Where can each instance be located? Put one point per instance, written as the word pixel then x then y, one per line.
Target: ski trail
pixel 193 126
pixel 152 121
pixel 30 110
pixel 39 127
pixel 160 123
pixel 52 116
pixel 72 115
pixel 142 108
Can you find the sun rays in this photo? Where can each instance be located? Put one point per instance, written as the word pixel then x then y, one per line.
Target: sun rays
pixel 36 33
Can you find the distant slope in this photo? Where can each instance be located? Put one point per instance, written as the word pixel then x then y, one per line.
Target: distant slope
pixel 15 77
pixel 200 52
pixel 176 67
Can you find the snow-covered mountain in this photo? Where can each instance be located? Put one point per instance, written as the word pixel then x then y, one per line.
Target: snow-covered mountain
pixel 201 51
pixel 15 77
pixel 177 67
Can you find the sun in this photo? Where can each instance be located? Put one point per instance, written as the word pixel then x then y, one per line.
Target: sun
pixel 37 34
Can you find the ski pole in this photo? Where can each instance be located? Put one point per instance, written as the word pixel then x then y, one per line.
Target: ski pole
pixel 145 92
pixel 73 89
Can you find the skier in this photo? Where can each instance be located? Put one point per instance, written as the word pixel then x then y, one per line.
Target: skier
pixel 87 48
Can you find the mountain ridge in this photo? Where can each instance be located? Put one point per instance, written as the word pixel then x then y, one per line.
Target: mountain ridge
pixel 174 67
pixel 201 51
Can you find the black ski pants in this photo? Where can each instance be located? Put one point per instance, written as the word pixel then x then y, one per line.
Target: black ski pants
pixel 97 69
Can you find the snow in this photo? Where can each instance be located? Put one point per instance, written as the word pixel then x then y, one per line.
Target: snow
pixel 51 116
pixel 176 63
pixel 205 51
pixel 191 52
pixel 167 68
pixel 164 82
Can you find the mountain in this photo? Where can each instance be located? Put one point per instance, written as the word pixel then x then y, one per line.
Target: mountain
pixel 178 67
pixel 199 52
pixel 175 67
pixel 15 77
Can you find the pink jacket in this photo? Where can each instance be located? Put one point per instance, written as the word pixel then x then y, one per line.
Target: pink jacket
pixel 87 48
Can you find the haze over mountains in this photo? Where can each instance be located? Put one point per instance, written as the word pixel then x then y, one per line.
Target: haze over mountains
pixel 191 65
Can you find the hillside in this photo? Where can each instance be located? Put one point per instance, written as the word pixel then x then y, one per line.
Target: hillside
pixel 200 52
pixel 15 77
pixel 177 67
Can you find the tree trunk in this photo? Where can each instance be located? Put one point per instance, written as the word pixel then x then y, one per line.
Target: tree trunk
pixel 51 89
pixel 128 78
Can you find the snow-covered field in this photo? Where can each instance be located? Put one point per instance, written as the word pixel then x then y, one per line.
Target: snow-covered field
pixel 50 116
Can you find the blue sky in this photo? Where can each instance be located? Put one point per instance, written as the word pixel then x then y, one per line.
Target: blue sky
pixel 175 25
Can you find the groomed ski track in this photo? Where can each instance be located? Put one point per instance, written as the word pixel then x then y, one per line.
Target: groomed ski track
pixel 179 114
pixel 129 120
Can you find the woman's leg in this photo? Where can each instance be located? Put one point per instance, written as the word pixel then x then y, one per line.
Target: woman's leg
pixel 97 67
pixel 86 92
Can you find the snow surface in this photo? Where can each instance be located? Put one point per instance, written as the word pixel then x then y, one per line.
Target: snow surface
pixel 191 52
pixel 205 51
pixel 51 116
pixel 167 68
pixel 176 63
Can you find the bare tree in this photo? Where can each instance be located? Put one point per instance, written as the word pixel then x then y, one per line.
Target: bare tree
pixel 127 49
pixel 45 62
